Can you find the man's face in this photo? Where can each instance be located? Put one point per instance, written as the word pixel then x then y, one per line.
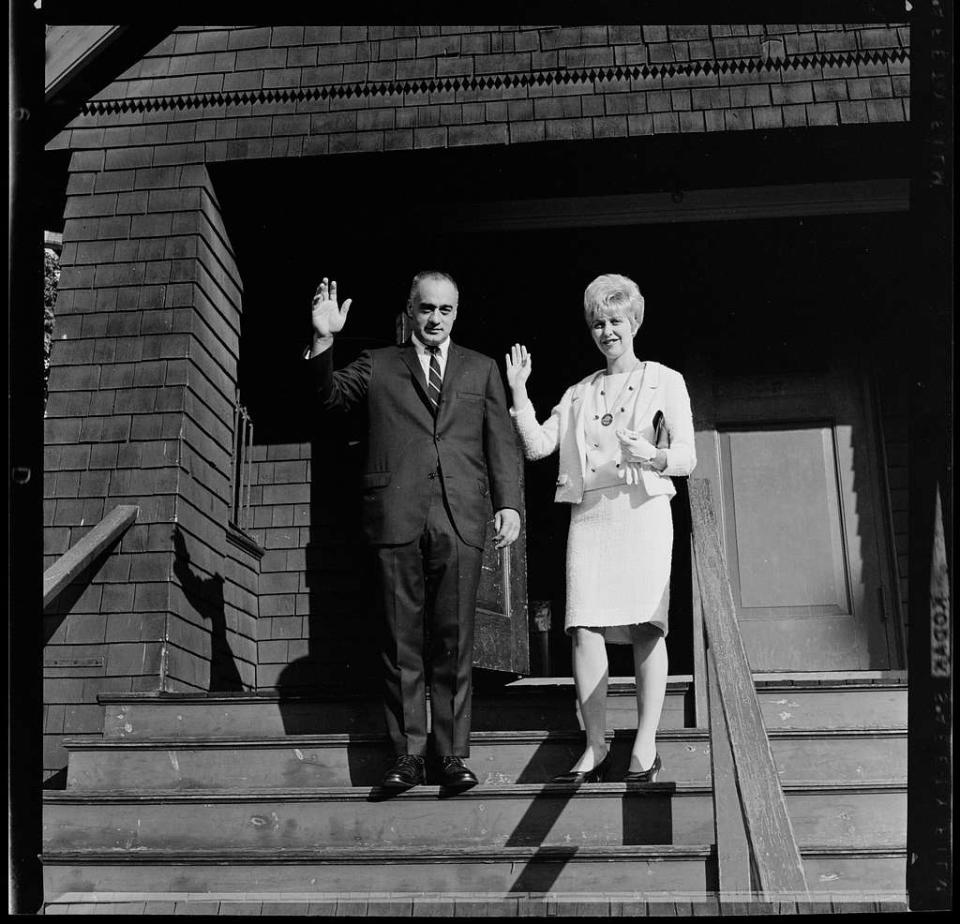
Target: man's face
pixel 433 311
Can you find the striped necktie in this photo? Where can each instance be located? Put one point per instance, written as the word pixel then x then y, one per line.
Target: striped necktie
pixel 434 379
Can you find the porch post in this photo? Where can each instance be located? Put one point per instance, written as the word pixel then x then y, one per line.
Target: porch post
pixel 140 411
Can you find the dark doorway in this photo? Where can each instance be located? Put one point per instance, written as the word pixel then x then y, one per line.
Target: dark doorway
pixel 764 294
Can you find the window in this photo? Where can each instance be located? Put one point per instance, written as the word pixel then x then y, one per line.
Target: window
pixel 242 468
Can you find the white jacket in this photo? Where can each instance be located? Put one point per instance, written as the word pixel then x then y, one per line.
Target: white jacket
pixel 663 389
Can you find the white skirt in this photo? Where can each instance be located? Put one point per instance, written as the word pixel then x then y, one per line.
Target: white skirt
pixel 618 561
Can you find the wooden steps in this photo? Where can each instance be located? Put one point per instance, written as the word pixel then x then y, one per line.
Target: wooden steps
pixel 611 814
pixel 542 706
pixel 434 869
pixel 186 797
pixel 640 869
pixel 177 763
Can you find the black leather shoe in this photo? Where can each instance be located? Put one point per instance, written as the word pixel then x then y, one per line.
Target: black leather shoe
pixel 645 776
pixel 595 775
pixel 456 774
pixel 407 770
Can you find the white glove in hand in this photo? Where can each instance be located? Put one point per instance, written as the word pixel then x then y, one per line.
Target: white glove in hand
pixel 631 472
pixel 634 447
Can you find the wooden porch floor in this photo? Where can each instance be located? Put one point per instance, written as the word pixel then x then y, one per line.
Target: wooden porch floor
pixel 427 904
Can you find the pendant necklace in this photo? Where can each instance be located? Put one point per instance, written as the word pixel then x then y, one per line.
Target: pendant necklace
pixel 607 418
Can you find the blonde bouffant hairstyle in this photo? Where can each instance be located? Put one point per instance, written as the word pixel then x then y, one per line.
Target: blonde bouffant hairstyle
pixel 613 293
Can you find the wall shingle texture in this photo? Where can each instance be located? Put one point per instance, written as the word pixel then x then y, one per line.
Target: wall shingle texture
pixel 323 92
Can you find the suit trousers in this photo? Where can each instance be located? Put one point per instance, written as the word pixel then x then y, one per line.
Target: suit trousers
pixel 430 584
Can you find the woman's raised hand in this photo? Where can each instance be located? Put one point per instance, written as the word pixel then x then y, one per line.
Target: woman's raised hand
pixel 328 316
pixel 519 367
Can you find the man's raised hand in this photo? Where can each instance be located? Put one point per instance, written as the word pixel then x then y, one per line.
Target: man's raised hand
pixel 328 316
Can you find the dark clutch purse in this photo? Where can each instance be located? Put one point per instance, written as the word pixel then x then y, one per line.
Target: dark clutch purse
pixel 661 439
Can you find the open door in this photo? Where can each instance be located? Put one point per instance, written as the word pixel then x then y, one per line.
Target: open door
pixel 502 642
pixel 793 466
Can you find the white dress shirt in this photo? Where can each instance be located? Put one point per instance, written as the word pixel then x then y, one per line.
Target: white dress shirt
pixel 423 354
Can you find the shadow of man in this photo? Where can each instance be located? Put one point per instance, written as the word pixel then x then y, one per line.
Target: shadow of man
pixel 206 597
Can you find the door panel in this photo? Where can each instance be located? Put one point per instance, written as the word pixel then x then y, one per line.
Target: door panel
pixel 502 642
pixel 793 467
pixel 786 536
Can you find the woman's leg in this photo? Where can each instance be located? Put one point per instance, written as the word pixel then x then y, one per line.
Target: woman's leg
pixel 590 674
pixel 650 666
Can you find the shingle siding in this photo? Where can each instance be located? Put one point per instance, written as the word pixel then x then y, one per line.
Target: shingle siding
pixel 385 70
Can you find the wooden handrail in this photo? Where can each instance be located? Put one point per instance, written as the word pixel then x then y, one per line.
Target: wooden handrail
pixel 773 847
pixel 73 562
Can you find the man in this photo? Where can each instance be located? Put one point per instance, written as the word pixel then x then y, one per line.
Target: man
pixel 440 442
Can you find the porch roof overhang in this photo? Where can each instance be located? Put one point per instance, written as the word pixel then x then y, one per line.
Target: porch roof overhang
pixel 849 197
pixel 80 60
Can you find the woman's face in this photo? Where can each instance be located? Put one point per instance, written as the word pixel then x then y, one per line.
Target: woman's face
pixel 613 333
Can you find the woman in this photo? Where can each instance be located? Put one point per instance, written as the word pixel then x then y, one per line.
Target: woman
pixel 615 470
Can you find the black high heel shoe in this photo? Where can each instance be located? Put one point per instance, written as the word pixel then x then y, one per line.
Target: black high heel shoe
pixel 595 775
pixel 645 776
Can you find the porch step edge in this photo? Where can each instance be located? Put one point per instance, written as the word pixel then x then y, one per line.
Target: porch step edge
pixel 648 896
pixel 677 684
pixel 339 739
pixel 404 854
pixel 95 855
pixel 433 793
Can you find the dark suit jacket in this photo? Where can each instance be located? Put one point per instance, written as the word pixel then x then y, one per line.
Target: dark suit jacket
pixel 472 439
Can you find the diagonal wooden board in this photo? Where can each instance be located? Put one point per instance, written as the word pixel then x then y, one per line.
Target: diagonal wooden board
pixel 778 864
